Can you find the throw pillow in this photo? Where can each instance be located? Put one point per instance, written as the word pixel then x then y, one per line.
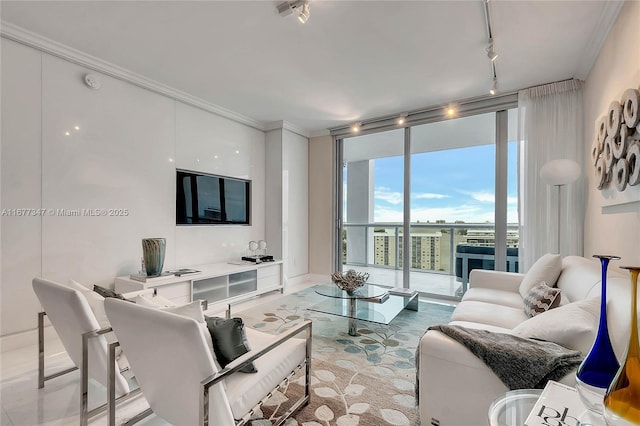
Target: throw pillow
pixel 107 292
pixel 573 325
pixel 540 299
pixel 546 269
pixel 229 341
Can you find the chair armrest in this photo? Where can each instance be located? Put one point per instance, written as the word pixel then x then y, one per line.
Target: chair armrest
pixel 251 356
pixel 497 280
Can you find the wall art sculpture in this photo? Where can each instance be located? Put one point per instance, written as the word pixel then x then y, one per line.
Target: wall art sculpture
pixel 615 153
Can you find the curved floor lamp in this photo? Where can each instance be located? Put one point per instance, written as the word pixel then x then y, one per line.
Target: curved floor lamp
pixel 560 173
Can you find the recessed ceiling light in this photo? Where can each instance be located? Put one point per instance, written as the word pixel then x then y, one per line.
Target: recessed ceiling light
pixel 66 133
pixel 77 127
pixel 356 127
pixel 402 119
pixel 451 111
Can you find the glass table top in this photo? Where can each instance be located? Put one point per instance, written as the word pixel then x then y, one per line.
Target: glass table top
pixel 365 292
pixel 513 408
pixel 359 307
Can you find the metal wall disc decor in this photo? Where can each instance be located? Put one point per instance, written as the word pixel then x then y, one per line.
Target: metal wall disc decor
pixel 615 153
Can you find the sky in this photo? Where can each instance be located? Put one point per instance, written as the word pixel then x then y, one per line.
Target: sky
pixel 450 185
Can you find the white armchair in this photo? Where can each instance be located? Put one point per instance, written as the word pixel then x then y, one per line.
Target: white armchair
pixel 178 374
pixel 85 343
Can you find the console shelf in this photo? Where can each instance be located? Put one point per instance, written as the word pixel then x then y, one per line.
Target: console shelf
pixel 215 283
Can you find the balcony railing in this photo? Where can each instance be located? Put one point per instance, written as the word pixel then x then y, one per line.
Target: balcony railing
pixel 361 248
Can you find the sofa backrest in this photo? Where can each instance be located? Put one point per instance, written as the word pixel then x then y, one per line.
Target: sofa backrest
pixel 581 278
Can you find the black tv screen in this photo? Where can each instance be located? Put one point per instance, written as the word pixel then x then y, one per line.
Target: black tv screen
pixel 203 199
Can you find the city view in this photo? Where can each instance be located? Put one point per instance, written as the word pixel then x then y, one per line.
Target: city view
pixel 451 207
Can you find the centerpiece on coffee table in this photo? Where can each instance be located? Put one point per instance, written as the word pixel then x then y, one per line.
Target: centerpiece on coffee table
pixel 349 281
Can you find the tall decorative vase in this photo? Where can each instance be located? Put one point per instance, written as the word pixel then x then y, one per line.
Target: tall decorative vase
pixel 622 401
pixel 153 254
pixel 600 366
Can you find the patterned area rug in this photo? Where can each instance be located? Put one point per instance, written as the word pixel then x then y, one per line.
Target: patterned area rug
pixel 366 379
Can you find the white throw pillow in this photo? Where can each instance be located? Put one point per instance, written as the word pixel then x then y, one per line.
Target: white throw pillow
pixel 546 269
pixel 573 325
pixel 96 303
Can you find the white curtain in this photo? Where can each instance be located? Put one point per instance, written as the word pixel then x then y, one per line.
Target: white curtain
pixel 550 127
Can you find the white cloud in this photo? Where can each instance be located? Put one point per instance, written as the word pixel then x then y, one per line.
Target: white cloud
pixel 428 196
pixel 385 194
pixel 483 196
pixel 512 200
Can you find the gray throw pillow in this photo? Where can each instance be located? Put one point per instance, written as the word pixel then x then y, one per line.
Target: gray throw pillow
pixel 229 341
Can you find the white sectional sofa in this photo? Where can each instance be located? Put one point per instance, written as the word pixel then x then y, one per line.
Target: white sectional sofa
pixel 456 388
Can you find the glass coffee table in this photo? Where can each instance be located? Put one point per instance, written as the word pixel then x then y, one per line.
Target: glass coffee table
pixel 370 302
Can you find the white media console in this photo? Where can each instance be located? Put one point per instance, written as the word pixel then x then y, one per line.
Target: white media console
pixel 215 283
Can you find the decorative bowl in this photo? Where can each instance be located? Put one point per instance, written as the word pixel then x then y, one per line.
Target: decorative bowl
pixel 350 280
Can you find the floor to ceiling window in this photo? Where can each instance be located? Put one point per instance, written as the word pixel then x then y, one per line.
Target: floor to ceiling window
pixel 449 185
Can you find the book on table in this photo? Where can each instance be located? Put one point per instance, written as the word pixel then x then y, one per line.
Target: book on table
pixel 401 291
pixel 560 405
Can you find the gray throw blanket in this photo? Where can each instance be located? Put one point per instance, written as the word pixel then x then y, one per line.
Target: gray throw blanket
pixel 519 363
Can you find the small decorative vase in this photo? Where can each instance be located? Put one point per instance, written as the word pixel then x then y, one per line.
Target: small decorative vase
pixel 153 254
pixel 622 401
pixel 600 366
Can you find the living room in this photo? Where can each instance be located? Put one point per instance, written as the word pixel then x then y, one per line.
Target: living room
pixel 84 127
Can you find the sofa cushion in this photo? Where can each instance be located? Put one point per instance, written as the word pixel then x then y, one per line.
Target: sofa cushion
pixel 489 313
pixel 477 326
pixel 573 326
pixel 490 295
pixel 540 299
pixel 546 269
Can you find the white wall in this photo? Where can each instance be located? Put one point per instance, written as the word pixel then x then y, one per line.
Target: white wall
pixel 21 186
pixel 321 187
pixel 124 155
pixel 613 229
pixel 287 204
pixel 295 178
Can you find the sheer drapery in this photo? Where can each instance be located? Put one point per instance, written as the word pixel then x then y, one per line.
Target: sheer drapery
pixel 550 127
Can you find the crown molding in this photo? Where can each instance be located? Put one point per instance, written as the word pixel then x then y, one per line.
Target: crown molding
pixel 285 125
pixel 54 48
pixel 598 36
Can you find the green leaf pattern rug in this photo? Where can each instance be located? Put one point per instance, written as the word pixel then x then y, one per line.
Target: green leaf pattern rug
pixel 366 379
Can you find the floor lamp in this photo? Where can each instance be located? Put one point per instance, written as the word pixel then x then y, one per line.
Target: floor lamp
pixel 560 173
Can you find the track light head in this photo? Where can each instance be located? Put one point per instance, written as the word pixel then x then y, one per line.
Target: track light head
pixel 494 88
pixel 491 54
pixel 301 7
pixel 402 119
pixel 355 128
pixel 304 13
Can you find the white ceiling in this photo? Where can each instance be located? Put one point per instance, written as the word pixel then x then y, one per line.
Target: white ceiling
pixel 352 60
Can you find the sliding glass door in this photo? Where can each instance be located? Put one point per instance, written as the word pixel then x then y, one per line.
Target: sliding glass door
pixel 373 187
pixel 450 186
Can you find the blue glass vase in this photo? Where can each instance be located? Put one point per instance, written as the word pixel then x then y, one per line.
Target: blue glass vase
pixel 600 366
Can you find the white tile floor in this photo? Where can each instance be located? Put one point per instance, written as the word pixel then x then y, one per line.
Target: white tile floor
pixel 58 403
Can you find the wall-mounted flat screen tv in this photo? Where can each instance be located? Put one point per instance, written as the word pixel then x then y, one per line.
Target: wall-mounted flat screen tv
pixel 204 199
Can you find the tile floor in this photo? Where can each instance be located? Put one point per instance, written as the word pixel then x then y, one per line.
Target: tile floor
pixel 58 402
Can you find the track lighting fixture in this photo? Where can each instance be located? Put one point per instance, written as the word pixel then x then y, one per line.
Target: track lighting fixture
pixel 491 54
pixel 301 7
pixel 402 119
pixel 494 88
pixel 355 128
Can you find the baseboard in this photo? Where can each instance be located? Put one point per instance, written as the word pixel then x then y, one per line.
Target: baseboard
pixel 301 279
pixel 26 338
